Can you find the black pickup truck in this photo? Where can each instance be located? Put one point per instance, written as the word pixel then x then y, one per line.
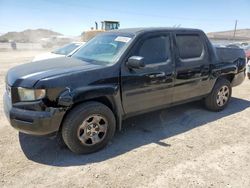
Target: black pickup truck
pixel 116 75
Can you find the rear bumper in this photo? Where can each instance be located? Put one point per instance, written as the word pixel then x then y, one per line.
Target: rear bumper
pixel 33 122
pixel 238 78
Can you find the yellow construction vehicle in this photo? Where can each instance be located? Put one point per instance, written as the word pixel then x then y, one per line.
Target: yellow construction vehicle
pixel 106 26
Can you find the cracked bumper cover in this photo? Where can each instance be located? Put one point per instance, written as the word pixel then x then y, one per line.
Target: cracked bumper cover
pixel 33 122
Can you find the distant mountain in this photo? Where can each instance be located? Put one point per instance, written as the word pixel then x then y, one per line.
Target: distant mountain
pixel 241 34
pixel 28 35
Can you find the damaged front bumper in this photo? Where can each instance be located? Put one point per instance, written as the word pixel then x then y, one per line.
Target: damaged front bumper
pixel 33 122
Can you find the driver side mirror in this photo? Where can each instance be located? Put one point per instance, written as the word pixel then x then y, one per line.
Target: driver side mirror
pixel 136 62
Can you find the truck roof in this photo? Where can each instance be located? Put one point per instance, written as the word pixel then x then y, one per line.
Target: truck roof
pixel 136 31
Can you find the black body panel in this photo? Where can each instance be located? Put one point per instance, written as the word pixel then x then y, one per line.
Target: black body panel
pixel 176 78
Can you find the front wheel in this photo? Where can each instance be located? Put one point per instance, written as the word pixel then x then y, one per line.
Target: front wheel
pixel 220 95
pixel 88 127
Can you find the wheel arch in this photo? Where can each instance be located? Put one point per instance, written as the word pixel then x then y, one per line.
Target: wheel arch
pixel 109 96
pixel 228 77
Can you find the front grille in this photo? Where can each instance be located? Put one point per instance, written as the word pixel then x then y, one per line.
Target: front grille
pixel 8 90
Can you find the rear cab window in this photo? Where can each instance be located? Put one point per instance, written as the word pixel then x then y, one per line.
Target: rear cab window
pixel 190 47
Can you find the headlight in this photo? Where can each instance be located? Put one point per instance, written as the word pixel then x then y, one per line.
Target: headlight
pixel 31 94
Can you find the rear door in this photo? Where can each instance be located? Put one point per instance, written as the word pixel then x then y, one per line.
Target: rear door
pixel 152 86
pixel 191 64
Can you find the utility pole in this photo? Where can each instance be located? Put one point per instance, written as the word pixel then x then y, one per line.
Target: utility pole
pixel 235 27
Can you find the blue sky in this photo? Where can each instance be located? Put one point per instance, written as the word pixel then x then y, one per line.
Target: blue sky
pixel 73 17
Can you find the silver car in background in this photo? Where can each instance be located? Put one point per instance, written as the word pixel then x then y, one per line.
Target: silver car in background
pixel 66 50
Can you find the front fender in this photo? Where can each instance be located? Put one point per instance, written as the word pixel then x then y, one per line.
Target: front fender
pixel 90 92
pixel 111 92
pixel 70 97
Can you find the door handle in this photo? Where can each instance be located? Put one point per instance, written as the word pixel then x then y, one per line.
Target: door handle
pixel 157 75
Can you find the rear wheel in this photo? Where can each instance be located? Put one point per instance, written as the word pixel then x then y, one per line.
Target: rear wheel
pixel 220 96
pixel 88 127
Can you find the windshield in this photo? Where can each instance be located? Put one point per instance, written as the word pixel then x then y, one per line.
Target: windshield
pixel 103 49
pixel 65 50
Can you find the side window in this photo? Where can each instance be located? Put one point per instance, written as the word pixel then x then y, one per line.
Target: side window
pixel 190 46
pixel 154 49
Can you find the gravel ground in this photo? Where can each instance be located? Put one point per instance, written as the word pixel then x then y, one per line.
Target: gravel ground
pixel 183 146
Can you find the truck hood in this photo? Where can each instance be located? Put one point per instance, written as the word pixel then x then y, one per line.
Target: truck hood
pixel 48 55
pixel 27 75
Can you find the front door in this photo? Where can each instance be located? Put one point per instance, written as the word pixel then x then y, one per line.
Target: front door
pixel 151 86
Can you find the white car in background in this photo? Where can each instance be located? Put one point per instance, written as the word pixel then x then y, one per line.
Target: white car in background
pixel 67 49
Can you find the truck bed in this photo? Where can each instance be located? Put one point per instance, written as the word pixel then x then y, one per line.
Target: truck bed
pixel 229 55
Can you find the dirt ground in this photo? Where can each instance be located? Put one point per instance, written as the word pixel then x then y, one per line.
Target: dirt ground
pixel 183 146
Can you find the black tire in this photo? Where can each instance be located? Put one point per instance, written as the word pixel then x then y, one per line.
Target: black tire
pixel 211 100
pixel 76 117
pixel 60 142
